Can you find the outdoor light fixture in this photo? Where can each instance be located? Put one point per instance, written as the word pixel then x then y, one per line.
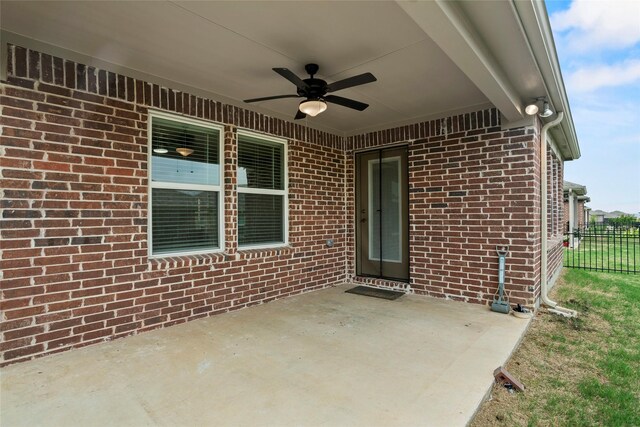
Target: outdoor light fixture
pixel 312 107
pixel 533 108
pixel 160 150
pixel 546 110
pixel 184 151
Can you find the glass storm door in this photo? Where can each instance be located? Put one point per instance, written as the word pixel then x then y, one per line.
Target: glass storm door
pixel 382 226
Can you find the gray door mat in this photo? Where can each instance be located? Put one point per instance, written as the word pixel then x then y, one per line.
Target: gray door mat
pixel 375 292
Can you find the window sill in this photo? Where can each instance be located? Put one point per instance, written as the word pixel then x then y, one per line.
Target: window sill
pixel 258 252
pixel 182 260
pixel 160 262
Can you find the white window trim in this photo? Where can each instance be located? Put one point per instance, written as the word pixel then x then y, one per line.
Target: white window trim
pixel 173 185
pixel 284 193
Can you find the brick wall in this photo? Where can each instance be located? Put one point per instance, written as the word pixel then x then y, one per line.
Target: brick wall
pixel 472 187
pixel 579 213
pixel 74 205
pixel 555 249
pixel 555 213
pixel 74 259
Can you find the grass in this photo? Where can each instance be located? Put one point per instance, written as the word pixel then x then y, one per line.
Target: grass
pixel 606 253
pixel 577 372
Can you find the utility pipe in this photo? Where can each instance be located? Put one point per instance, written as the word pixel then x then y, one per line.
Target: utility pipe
pixel 554 307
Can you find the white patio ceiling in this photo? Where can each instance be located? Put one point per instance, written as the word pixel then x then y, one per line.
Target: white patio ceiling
pixel 430 58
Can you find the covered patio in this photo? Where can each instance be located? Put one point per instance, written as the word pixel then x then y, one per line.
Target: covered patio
pixel 320 358
pixel 113 228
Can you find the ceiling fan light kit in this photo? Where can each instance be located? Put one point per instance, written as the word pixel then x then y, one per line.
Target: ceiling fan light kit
pixel 315 91
pixel 312 107
pixel 184 151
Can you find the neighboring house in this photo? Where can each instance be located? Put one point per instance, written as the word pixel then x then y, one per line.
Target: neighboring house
pixel 614 214
pixel 576 216
pixel 576 213
pixel 140 192
pixel 601 217
pixel 597 216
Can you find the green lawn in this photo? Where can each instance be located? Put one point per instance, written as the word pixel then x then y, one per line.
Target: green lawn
pixel 606 253
pixel 577 372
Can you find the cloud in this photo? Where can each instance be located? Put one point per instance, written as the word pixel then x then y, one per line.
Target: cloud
pixel 591 78
pixel 611 122
pixel 626 139
pixel 589 24
pixel 612 117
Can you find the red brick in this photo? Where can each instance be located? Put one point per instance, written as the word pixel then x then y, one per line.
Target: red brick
pixel 75 230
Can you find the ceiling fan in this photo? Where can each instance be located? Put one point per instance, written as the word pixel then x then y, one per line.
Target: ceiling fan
pixel 315 91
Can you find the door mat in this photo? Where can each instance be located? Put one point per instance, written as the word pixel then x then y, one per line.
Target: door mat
pixel 375 292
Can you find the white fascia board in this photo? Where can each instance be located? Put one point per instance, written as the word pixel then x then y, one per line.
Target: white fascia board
pixel 447 25
pixel 535 24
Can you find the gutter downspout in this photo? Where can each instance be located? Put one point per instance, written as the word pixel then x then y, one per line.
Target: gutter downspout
pixel 554 307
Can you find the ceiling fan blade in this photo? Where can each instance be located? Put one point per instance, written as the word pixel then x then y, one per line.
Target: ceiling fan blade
pixel 358 80
pixel 267 98
pixel 288 74
pixel 300 115
pixel 346 102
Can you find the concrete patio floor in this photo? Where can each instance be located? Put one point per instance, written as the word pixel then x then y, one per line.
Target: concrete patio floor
pixel 324 358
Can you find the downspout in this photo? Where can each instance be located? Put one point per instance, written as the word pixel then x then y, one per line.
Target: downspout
pixel 553 306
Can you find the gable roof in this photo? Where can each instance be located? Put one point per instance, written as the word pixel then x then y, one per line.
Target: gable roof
pixel 578 189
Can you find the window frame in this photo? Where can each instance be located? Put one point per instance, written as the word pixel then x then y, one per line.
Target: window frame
pixel 181 186
pixel 554 196
pixel 284 192
pixel 555 199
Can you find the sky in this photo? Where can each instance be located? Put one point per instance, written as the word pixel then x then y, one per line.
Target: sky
pixel 598 45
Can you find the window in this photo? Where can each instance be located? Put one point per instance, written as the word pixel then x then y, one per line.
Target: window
pixel 559 197
pixel 554 196
pixel 185 186
pixel 262 191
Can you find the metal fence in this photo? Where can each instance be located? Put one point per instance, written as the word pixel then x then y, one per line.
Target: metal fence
pixel 604 247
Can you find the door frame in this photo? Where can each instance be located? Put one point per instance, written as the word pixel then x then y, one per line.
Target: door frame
pixel 356 184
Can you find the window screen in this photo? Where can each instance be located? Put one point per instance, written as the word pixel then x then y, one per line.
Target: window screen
pixel 185 187
pixel 262 201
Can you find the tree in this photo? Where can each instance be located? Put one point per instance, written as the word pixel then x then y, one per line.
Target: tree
pixel 623 220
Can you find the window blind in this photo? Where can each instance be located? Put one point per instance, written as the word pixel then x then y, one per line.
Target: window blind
pixel 185 187
pixel 260 219
pixel 260 164
pixel 261 192
pixel 199 166
pixel 184 220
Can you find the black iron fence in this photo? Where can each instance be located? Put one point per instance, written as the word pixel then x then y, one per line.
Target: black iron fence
pixel 604 247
